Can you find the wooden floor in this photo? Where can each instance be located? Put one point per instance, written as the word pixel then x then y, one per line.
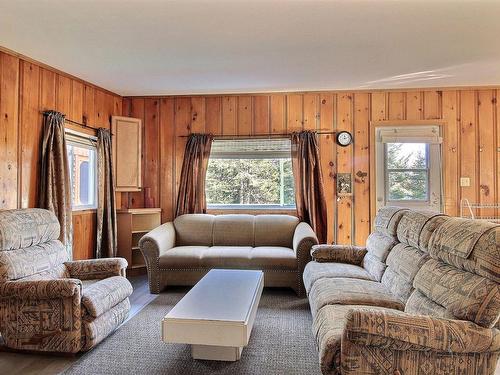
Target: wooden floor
pixel 27 364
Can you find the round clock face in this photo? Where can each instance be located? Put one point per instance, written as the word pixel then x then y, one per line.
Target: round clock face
pixel 344 138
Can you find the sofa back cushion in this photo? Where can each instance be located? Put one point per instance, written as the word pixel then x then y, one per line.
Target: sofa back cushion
pixel 27 227
pixel 194 229
pixel 461 280
pixel 234 230
pixel 275 230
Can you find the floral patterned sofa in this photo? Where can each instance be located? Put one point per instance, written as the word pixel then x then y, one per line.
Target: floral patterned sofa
pixel 48 303
pixel 423 297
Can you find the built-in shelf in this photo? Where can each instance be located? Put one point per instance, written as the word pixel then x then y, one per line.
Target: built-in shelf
pixel 132 225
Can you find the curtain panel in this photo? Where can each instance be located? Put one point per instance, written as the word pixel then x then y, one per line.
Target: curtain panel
pixel 191 197
pixel 106 208
pixel 308 179
pixel 55 187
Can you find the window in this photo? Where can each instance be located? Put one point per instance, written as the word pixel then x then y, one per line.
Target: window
pixel 409 167
pixel 82 160
pixel 250 173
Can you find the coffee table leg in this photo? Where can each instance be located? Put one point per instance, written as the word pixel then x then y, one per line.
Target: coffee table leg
pixel 216 353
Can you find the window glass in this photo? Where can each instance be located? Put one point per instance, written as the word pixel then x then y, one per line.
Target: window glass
pixel 407 172
pixel 82 161
pixel 250 174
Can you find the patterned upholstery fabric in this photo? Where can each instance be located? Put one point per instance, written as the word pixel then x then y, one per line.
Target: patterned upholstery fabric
pixel 338 253
pixel 315 271
pixel 103 295
pixel 387 220
pixel 445 272
pixel 231 241
pixel 42 295
pixel 24 228
pixel 344 291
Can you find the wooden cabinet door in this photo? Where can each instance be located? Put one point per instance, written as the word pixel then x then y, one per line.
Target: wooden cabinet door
pixel 127 150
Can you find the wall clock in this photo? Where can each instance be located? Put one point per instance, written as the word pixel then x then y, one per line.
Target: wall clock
pixel 344 138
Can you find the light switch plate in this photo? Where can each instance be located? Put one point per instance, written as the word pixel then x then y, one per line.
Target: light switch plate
pixel 464 181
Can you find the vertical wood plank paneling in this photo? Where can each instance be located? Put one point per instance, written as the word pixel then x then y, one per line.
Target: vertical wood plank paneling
pixel 245 115
pixel 414 105
pixel 9 88
pixel 30 130
pixel 88 106
pixel 47 90
pixel 378 107
pixel 100 109
pixel 397 106
pixel 229 115
pixel 432 105
pixel 76 113
pixel 361 162
pixel 278 114
pixel 450 153
pixel 487 150
pixel 63 102
pixel 261 121
pixel 295 112
pixel 167 148
pixel 152 148
pixel 468 144
pixel 213 115
pixel 311 109
pixel 344 165
pixel 198 114
pixel 127 107
pixel 84 233
pixel 328 158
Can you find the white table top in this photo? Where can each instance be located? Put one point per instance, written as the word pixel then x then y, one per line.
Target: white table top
pixel 221 295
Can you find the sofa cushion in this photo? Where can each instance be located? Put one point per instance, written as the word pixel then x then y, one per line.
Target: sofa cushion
pixel 234 230
pixel 273 257
pixel 194 230
pixel 182 257
pixel 275 230
pixel 46 258
pixel 27 227
pixel 101 296
pixel 315 271
pixel 328 327
pixel 226 256
pixel 378 246
pixel 348 291
pixel 387 220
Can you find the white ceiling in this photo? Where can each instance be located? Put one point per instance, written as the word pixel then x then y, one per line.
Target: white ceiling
pixel 154 47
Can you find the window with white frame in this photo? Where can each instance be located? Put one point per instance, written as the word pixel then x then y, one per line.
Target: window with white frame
pixel 82 160
pixel 250 174
pixel 408 167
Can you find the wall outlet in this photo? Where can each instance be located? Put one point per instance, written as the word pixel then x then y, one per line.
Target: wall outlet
pixel 464 181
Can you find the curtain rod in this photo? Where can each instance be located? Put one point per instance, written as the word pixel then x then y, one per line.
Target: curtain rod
pixel 264 135
pixel 45 113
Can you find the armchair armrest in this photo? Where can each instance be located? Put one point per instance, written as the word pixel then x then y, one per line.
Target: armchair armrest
pixel 401 331
pixel 41 289
pixel 96 268
pixel 339 254
pixel 303 239
pixel 152 245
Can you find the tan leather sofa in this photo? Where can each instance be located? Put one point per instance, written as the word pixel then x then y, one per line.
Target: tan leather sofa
pixel 50 304
pixel 183 251
pixel 423 297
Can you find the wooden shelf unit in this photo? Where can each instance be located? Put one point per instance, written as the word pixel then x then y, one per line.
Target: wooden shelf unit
pixel 132 224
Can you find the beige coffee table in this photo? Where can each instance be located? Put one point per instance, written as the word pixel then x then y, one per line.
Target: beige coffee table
pixel 216 316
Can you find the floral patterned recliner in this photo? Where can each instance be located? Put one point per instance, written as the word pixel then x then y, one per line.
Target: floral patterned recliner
pixel 48 303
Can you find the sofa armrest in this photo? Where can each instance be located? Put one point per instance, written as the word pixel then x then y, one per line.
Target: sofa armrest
pixel 395 330
pixel 303 239
pixel 152 245
pixel 338 253
pixel 41 289
pixel 96 268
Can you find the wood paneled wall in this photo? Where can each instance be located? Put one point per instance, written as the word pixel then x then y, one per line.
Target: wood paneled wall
pixel 26 89
pixel 470 149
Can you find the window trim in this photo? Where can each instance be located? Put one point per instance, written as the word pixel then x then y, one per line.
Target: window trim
pixel 82 140
pixel 250 207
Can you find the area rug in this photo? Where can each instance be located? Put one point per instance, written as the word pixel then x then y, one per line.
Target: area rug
pixel 281 343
